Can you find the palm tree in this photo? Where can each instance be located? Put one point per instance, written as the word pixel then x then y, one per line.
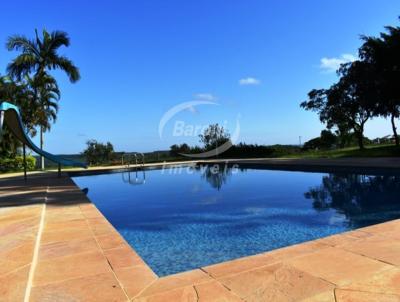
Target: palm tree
pixel 45 102
pixel 37 57
pixel 40 54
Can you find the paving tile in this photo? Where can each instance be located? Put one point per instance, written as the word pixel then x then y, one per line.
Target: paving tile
pixel 247 263
pixel 338 266
pixel 358 234
pixel 18 214
pixel 276 282
pixel 87 206
pixel 55 209
pixel 96 288
pixel 386 282
pixel 19 226
pixel 357 296
pixel 92 213
pixel 100 226
pixel 389 229
pixel 175 281
pixel 59 217
pixel 110 241
pixel 297 250
pixel 14 240
pixel 183 294
pixel 62 225
pixel 13 285
pixel 122 257
pixel 68 214
pixel 328 296
pixel 91 210
pixel 377 247
pixel 16 257
pixel 215 292
pixel 66 234
pixel 340 239
pixel 66 248
pixel 238 265
pixel 135 279
pixel 70 267
pixel 204 292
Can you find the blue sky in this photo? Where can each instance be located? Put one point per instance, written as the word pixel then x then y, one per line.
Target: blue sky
pixel 138 59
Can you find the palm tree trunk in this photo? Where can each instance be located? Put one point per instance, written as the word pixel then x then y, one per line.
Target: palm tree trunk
pixel 396 138
pixel 41 147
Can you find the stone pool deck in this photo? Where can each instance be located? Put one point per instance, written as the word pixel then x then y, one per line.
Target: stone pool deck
pixel 56 246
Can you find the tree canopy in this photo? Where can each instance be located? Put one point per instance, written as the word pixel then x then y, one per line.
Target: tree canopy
pixel 214 136
pixel 367 88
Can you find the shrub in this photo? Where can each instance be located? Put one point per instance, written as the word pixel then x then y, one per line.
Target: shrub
pixel 327 140
pixel 97 153
pixel 14 164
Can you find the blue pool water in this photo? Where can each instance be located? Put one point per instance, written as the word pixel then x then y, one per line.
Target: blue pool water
pixel 183 219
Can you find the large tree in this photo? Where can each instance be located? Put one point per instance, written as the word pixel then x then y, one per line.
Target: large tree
pixel 37 57
pixel 214 136
pixel 349 103
pixel 384 53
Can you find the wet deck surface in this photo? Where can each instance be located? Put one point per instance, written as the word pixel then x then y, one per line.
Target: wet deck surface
pixel 56 246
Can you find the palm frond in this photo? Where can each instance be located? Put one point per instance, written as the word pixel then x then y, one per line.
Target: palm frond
pixel 70 69
pixel 21 65
pixel 22 43
pixel 57 39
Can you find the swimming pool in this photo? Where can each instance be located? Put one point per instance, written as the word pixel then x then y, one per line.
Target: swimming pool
pixel 182 218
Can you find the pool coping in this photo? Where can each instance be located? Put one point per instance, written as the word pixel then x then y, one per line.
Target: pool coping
pixel 66 229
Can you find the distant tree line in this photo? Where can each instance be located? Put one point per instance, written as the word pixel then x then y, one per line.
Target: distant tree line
pixel 215 135
pixel 368 87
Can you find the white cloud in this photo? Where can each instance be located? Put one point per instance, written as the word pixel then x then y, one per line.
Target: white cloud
pixel 204 97
pixel 249 81
pixel 330 65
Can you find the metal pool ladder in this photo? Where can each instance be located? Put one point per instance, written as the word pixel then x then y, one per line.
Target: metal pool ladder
pixel 128 178
pixel 127 159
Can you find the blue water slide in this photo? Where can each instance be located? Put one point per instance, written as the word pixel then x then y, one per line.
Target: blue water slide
pixel 10 116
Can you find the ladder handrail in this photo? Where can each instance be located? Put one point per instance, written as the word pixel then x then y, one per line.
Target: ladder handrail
pixel 129 156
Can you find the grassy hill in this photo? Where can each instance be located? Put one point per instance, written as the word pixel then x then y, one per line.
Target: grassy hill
pixel 369 151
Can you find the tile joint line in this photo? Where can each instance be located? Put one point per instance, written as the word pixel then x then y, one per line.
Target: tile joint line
pixel 36 251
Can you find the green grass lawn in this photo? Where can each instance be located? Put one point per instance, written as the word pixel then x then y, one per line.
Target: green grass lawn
pixel 369 151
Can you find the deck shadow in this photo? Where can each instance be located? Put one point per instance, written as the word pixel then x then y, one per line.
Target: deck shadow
pixel 39 189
